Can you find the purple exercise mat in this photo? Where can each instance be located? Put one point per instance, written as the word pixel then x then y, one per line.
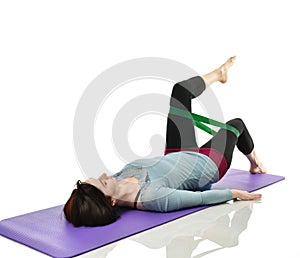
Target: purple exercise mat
pixel 47 230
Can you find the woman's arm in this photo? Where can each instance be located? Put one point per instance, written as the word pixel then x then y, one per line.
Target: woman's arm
pixel 166 199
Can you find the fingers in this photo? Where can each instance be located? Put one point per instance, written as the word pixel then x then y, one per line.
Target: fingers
pixel 253 196
pixel 244 195
pixel 257 196
pixel 249 196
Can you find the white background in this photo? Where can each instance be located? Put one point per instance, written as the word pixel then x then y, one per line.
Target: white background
pixel 51 50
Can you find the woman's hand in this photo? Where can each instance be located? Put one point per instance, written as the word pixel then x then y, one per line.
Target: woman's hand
pixel 244 195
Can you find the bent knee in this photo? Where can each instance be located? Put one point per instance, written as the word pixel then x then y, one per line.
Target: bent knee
pixel 238 123
pixel 235 121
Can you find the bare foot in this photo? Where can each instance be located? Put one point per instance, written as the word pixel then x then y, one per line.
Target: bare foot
pixel 223 69
pixel 256 165
pixel 256 169
pixel 219 74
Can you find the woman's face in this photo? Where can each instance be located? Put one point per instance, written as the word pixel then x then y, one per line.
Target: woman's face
pixel 104 183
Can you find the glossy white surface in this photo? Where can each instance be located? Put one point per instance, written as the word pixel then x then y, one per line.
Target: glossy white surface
pixel 50 51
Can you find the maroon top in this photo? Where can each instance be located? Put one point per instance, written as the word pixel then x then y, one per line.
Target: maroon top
pixel 213 154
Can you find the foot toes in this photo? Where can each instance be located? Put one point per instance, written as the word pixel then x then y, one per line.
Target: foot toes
pixel 258 170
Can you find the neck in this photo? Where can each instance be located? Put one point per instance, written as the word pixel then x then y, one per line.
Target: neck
pixel 126 193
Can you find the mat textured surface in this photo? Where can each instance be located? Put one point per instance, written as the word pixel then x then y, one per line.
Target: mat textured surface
pixel 47 230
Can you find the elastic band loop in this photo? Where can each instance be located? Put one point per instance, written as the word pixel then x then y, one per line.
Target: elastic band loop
pixel 199 120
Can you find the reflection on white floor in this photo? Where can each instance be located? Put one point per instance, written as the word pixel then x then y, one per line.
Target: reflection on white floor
pixel 235 229
pixel 217 227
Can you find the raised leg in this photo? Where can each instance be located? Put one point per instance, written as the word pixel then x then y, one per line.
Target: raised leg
pixel 180 131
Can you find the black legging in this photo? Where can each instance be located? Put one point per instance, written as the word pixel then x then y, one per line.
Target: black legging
pixel 181 132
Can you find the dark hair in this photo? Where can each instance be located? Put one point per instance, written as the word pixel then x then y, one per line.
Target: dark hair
pixel 88 206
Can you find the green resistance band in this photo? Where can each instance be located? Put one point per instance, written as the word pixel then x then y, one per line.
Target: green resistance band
pixel 200 120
